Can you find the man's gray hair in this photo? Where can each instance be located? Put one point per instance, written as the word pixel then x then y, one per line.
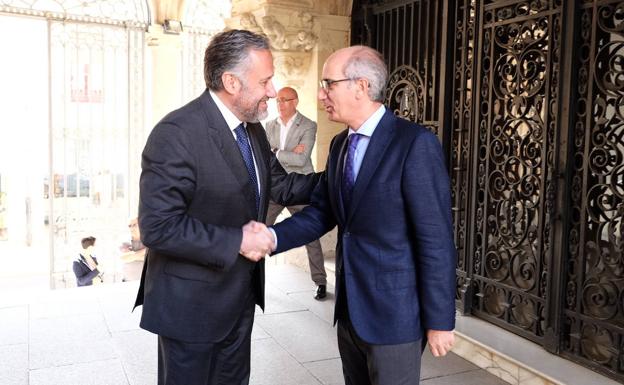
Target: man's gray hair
pixel 367 63
pixel 228 52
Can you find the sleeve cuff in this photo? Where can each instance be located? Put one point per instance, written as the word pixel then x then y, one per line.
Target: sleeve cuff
pixel 274 237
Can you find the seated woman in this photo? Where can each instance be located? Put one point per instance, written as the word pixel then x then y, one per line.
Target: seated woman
pixel 86 265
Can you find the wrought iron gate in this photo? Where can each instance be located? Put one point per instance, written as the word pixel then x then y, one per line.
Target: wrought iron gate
pixel 528 100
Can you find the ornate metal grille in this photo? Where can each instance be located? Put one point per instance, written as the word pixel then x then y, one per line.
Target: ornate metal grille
pixel 462 137
pixel 96 100
pixel 516 120
pixel 534 125
pixel 593 323
pixel 409 37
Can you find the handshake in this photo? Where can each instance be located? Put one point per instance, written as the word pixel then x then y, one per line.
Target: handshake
pixel 257 242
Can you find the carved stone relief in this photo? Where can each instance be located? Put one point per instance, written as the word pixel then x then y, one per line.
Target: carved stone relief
pixel 295 35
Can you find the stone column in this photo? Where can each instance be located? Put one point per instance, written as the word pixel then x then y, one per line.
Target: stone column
pixel 164 64
pixel 164 72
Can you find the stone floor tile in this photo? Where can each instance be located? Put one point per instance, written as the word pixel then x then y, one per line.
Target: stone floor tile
pixel 272 365
pixel 474 377
pixel 14 325
pixel 138 351
pixel 323 309
pixel 14 364
pixel 65 303
pixel 443 366
pixel 48 354
pixel 89 327
pixel 118 313
pixel 258 333
pixel 273 270
pixel 328 372
pixel 302 334
pixel 291 282
pixel 108 372
pixel 276 301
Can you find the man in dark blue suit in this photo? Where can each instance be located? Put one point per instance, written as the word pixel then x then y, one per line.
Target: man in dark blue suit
pixel 207 169
pixel 387 188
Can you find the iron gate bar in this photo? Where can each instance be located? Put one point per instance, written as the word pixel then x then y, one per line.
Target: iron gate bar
pixel 521 18
pixel 567 82
pixel 460 130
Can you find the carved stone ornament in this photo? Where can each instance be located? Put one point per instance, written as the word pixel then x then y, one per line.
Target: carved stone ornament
pixel 296 36
pixel 248 22
pixel 291 65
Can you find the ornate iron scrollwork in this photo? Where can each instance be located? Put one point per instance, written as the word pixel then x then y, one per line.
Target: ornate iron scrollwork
pixel 594 303
pixel 515 193
pixel 405 94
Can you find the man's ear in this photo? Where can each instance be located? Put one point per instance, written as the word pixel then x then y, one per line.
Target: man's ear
pixel 231 83
pixel 361 88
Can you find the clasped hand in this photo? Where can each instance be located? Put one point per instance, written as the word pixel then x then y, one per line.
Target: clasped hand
pixel 257 242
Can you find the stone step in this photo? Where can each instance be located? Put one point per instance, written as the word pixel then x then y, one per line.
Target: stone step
pixel 517 360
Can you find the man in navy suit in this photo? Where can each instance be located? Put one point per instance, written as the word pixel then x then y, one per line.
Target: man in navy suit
pixel 387 188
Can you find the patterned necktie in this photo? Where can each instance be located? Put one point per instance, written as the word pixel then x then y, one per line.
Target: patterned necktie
pixel 243 144
pixel 348 178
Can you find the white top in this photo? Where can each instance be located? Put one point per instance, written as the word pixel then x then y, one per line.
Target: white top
pixel 284 128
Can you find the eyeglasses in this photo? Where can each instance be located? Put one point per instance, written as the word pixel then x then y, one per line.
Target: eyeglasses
pixel 327 83
pixel 284 100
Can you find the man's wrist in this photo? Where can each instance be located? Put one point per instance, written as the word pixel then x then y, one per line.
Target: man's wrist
pixel 274 237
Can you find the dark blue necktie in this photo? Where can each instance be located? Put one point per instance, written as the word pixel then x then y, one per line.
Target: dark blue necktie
pixel 243 144
pixel 348 178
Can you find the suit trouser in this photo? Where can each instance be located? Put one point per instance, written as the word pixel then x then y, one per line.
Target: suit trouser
pixel 222 363
pixel 315 252
pixel 368 364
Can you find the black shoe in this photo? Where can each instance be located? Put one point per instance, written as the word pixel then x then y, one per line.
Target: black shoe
pixel 321 292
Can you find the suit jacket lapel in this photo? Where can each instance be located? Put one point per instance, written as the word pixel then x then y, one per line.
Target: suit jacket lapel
pixel 229 149
pixel 291 133
pixel 273 132
pixel 337 178
pixel 374 153
pixel 255 130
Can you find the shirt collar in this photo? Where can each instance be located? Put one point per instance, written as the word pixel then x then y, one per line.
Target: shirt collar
pixel 368 127
pixel 290 121
pixel 230 119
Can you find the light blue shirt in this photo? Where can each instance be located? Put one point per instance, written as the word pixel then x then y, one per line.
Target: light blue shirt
pixel 366 130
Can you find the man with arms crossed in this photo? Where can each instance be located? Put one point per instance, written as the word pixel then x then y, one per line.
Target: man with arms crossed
pixel 207 170
pixel 292 138
pixel 387 188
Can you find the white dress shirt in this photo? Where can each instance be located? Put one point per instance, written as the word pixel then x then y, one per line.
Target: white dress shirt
pixel 284 128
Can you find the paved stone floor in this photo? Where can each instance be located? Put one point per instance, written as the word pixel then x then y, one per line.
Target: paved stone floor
pixel 89 336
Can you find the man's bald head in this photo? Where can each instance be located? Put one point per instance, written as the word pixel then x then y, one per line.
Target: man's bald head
pixel 287 101
pixel 288 93
pixel 362 62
